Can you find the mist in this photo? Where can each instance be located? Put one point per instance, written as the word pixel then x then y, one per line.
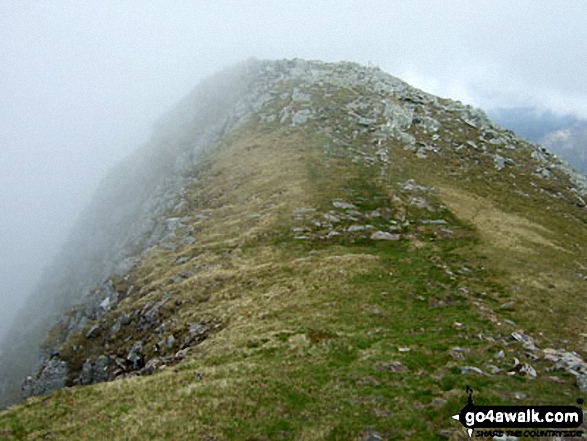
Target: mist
pixel 81 84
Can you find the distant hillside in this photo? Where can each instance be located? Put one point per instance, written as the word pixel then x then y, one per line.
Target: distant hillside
pixel 308 251
pixel 565 136
pixel 570 143
pixel 530 123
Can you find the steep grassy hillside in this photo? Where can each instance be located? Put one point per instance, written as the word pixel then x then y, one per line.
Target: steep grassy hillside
pixel 344 263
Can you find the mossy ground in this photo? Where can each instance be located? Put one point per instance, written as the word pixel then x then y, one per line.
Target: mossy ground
pixel 311 328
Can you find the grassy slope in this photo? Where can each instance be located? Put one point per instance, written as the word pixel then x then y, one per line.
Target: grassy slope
pixel 309 327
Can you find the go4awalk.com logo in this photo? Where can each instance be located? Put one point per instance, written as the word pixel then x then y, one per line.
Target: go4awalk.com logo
pixel 528 421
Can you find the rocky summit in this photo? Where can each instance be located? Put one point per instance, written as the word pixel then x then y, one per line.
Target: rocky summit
pixel 306 250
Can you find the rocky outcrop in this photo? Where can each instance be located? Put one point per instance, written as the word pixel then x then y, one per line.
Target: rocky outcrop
pixel 51 377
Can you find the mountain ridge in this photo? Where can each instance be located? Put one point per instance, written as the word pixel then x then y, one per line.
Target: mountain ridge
pixel 346 177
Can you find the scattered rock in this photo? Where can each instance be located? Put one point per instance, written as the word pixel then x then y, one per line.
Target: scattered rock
pixel 180 355
pixel 434 222
pixel 469 123
pixel 136 357
pixel 188 240
pixel 298 95
pixel 330 218
pixel 100 301
pixel 151 366
pixel 105 305
pixel 457 355
pixel 98 371
pixel 582 383
pixel 527 342
pixel 366 121
pixel 369 380
pixel 499 162
pixel 392 366
pixel 181 260
pixel 522 369
pixel 182 276
pixel 422 203
pixel 446 433
pixel 124 319
pixel 53 376
pixel 428 123
pixel 343 205
pixel 526 369
pixel 372 437
pixel 149 315
pixel 197 333
pixel 95 331
pixel 87 374
pixel 493 369
pixel 468 369
pixel 412 186
pixel 304 210
pixel 507 305
pixel 543 172
pixel 383 155
pixel 28 387
pixel 301 117
pixel 102 369
pixel 570 362
pixel 382 235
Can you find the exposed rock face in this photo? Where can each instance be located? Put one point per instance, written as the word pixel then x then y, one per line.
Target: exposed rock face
pixel 53 376
pixel 98 371
pixel 142 208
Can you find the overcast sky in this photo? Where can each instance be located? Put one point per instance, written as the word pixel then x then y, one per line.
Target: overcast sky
pixel 82 82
